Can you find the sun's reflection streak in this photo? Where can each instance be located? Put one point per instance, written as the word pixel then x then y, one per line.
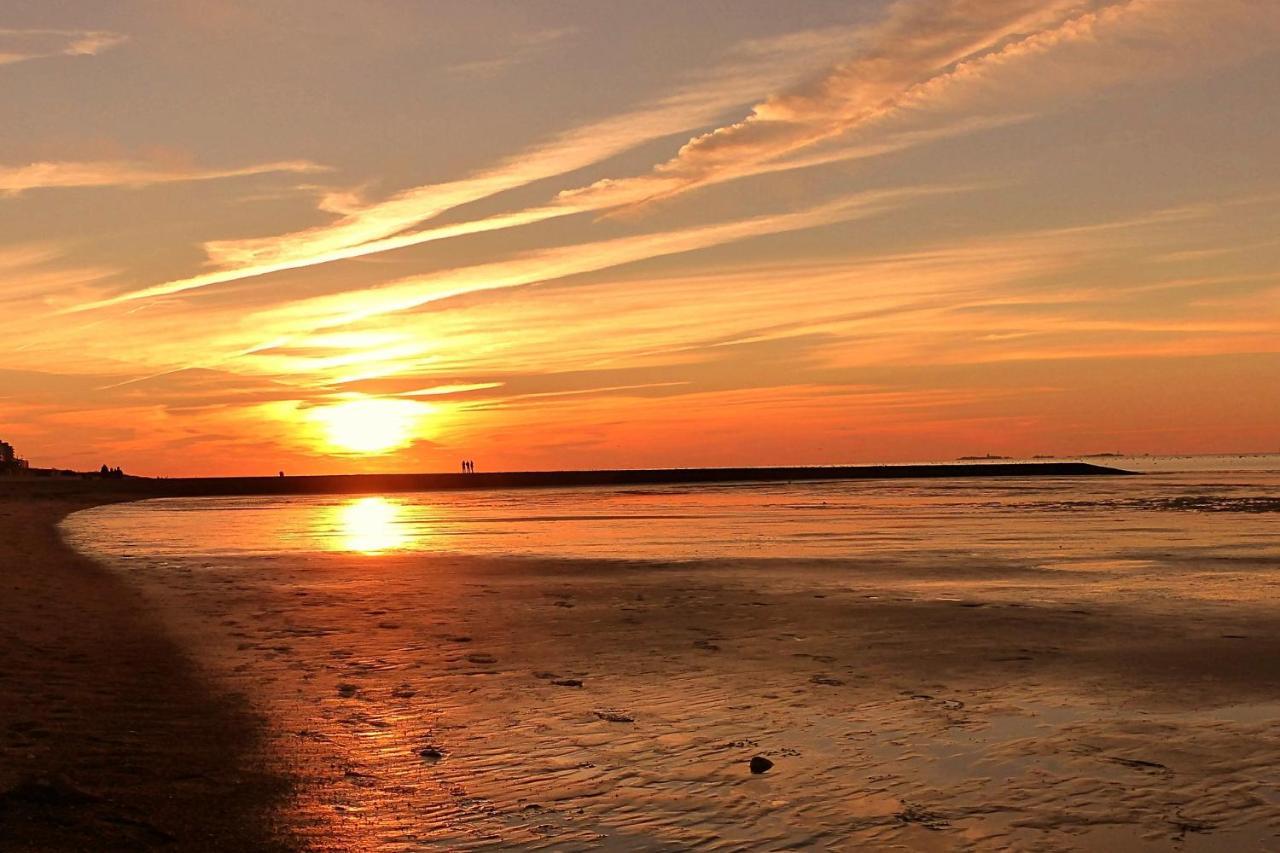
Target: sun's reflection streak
pixel 371 526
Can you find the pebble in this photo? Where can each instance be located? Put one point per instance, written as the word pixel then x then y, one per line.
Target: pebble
pixel 614 717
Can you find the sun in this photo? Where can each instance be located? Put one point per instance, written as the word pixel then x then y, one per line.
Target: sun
pixel 371 425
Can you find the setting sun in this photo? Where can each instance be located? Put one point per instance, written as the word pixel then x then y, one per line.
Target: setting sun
pixel 371 425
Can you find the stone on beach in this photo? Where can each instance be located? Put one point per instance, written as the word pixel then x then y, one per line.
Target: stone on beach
pixel 614 717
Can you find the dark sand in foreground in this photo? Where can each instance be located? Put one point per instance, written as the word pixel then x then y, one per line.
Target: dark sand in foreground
pixel 109 737
pixel 924 705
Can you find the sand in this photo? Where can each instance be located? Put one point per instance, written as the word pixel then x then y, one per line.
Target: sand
pixel 110 738
pixel 416 702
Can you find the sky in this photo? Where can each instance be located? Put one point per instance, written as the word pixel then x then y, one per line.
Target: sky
pixel 318 236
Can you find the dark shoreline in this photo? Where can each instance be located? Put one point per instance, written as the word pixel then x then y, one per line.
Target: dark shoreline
pixel 111 737
pixel 144 487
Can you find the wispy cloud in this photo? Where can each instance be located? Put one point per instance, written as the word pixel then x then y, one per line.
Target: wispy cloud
pixel 123 173
pixel 522 48
pixel 933 54
pixel 24 45
pixel 545 265
pixel 925 56
pixel 30 272
pixel 292 322
pixel 367 227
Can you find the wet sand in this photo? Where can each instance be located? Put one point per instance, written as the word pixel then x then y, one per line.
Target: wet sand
pixel 458 703
pixel 110 737
pixel 405 702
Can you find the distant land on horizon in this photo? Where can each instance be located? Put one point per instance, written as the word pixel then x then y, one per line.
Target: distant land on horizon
pixel 362 483
pixel 33 472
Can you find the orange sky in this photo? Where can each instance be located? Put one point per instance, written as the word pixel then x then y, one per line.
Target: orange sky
pixel 322 236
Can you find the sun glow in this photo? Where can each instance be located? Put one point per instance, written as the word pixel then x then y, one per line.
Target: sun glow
pixel 371 526
pixel 371 425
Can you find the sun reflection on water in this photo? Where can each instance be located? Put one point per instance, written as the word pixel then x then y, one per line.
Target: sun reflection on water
pixel 371 526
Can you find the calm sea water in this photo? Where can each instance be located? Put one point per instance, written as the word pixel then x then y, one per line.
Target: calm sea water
pixel 1226 505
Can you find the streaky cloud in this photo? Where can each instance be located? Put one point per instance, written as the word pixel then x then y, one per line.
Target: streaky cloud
pixel 128 174
pixel 24 45
pixel 340 309
pixel 365 228
pixel 933 55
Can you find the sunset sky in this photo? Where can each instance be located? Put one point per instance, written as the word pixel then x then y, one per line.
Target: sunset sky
pixel 240 236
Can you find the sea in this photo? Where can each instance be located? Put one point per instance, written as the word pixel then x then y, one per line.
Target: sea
pixel 1226 504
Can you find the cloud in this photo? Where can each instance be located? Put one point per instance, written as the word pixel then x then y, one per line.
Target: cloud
pixel 290 324
pixel 122 173
pixel 932 55
pixel 367 227
pixel 925 56
pixel 30 272
pixel 343 308
pixel 23 45
pixel 523 48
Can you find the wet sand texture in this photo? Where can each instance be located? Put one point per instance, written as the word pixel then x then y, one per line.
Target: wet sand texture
pixel 472 703
pixel 407 702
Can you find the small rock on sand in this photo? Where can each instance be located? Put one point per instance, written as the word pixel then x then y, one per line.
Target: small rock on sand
pixel 760 764
pixel 567 682
pixel 614 717
pixel 431 754
pixel 346 691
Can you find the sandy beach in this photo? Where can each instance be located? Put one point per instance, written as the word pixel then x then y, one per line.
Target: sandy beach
pixel 110 737
pixel 449 702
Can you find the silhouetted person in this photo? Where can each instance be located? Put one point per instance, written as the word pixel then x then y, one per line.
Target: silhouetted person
pixel 281 473
pixel 106 472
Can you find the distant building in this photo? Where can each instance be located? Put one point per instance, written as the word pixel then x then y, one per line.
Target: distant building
pixel 9 461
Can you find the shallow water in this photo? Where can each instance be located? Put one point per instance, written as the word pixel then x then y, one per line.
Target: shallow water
pixel 1226 504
